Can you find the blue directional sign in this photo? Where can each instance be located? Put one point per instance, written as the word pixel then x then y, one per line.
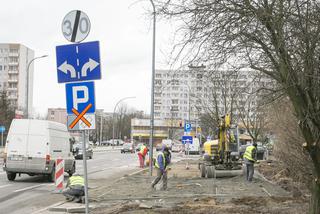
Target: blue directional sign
pixel 187 139
pixel 80 96
pixel 2 129
pixel 78 62
pixel 187 127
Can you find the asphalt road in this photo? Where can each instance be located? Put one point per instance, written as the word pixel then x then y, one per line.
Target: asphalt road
pixel 32 194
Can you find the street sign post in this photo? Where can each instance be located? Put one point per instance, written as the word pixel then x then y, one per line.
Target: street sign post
pixel 2 130
pixel 187 140
pixel 76 26
pixel 78 62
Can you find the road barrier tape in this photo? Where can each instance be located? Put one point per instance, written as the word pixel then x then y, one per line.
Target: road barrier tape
pixel 59 174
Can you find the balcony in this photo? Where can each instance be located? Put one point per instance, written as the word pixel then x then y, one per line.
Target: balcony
pixel 12 80
pixel 13 72
pixel 12 97
pixel 12 89
pixel 13 54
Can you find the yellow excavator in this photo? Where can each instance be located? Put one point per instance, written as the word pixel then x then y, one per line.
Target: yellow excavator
pixel 221 156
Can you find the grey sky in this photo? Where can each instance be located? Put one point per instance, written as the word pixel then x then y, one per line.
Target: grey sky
pixel 124 33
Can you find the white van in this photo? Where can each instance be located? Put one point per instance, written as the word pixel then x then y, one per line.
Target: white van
pixel 194 148
pixel 33 146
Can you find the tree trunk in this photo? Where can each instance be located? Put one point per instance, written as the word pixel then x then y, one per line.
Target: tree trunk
pixel 315 199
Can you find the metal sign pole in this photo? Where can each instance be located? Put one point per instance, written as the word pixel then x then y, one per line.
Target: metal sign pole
pixel 2 139
pixel 84 157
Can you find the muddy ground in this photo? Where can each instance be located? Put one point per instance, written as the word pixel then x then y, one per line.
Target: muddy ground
pixel 188 193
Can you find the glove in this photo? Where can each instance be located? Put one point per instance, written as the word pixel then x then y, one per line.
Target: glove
pixel 258 161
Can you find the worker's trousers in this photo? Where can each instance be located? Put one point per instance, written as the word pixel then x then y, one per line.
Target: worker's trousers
pixel 160 175
pixel 141 160
pixel 73 192
pixel 249 171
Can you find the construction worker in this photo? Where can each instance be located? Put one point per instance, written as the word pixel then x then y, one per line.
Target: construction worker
pixel 161 162
pixel 142 155
pixel 75 188
pixel 250 157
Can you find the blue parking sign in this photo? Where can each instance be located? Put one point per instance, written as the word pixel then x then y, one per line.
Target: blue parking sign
pixel 187 127
pixel 78 62
pixel 80 96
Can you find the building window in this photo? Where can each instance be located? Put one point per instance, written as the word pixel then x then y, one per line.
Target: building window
pixel 158 75
pixel 175 101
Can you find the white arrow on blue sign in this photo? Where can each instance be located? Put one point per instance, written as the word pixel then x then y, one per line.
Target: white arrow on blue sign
pixel 78 62
pixel 187 139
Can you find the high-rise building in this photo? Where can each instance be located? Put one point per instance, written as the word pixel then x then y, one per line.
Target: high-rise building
pixel 14 60
pixel 186 94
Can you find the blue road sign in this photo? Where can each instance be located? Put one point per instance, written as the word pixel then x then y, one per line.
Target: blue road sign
pixel 187 139
pixel 187 127
pixel 78 62
pixel 2 129
pixel 79 96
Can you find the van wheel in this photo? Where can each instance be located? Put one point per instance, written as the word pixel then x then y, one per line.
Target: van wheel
pixel 11 176
pixel 203 170
pixel 52 175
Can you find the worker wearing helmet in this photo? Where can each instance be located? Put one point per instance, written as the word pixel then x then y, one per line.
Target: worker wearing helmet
pixel 161 165
pixel 250 157
pixel 75 188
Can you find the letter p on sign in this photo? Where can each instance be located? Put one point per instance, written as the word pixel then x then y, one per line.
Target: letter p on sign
pixel 76 90
pixel 79 96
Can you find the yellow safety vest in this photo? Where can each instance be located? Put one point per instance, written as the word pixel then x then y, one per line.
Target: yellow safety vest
pixel 142 148
pixel 248 153
pixel 76 180
pixel 164 160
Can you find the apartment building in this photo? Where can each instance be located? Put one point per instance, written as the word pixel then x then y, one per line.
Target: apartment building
pixel 14 59
pixel 186 94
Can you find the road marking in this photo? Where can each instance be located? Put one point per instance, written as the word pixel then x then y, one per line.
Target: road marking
pixel 266 191
pixel 3 186
pixel 28 188
pixel 46 208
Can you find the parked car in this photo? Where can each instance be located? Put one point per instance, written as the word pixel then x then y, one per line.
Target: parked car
pixel 138 146
pixel 116 142
pixel 34 145
pixel 127 147
pixel 193 148
pixel 78 152
pixel 177 147
pixel 105 143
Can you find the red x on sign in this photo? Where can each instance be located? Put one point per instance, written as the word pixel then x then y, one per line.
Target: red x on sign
pixel 80 116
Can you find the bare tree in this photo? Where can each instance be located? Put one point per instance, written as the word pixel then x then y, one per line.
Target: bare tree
pixel 279 38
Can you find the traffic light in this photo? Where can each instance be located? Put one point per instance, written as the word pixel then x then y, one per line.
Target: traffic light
pixel 180 124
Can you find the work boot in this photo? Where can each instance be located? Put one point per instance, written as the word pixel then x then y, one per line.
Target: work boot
pixel 70 198
pixel 83 199
pixel 77 200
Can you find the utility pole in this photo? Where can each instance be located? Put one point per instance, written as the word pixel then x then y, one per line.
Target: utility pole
pixel 152 89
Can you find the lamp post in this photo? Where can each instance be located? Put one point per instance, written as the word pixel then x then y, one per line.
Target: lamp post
pixel 152 88
pixel 114 110
pixel 28 66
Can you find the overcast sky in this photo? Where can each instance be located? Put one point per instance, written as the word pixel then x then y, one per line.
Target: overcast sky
pixel 124 30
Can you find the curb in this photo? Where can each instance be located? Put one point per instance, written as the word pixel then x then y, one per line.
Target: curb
pixel 56 208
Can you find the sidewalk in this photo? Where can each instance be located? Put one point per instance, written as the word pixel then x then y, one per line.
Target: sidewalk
pixel 188 193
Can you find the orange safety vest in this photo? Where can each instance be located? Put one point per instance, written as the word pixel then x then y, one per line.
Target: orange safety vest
pixel 143 150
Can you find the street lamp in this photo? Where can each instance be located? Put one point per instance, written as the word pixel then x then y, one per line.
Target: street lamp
pixel 152 89
pixel 28 66
pixel 114 110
